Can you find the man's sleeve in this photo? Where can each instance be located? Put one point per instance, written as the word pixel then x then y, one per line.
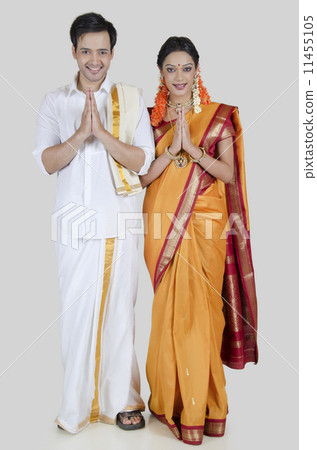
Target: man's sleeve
pixel 47 130
pixel 144 139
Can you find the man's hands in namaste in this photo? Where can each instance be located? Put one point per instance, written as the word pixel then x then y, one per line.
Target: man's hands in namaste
pixel 182 139
pixel 90 119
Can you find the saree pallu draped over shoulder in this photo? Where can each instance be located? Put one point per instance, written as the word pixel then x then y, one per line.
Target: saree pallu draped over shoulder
pixel 197 250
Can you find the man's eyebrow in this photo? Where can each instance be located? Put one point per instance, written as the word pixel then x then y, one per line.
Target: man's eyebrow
pixel 98 49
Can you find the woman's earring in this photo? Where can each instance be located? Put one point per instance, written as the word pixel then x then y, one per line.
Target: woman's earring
pixel 163 86
pixel 196 97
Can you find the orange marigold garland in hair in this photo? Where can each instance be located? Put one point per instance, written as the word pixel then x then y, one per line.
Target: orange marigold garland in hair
pixel 159 104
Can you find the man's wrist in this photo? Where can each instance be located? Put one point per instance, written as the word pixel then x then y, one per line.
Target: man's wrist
pixel 81 136
pixel 102 135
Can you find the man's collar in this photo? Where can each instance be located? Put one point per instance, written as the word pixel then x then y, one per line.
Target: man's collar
pixel 105 85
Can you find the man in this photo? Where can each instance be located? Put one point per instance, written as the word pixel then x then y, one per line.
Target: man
pixel 97 137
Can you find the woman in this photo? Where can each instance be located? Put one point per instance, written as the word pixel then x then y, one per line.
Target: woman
pixel 197 250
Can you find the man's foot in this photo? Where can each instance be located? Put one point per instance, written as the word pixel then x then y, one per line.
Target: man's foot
pixel 130 420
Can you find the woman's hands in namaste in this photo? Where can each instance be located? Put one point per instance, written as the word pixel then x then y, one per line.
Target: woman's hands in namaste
pixel 182 139
pixel 177 139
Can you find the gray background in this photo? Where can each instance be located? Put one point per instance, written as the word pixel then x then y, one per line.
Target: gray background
pixel 248 58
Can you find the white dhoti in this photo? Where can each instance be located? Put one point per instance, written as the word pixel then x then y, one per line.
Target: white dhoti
pixel 98 284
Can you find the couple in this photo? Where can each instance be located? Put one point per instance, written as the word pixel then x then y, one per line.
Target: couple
pixel 98 137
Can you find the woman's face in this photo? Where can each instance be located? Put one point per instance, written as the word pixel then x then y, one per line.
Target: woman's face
pixel 179 70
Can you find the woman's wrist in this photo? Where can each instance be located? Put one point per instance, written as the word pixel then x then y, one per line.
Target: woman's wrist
pixel 173 150
pixel 195 152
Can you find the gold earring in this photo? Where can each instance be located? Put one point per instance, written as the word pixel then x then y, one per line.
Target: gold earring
pixel 163 86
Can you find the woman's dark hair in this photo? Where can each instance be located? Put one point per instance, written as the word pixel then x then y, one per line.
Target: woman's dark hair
pixel 92 23
pixel 177 44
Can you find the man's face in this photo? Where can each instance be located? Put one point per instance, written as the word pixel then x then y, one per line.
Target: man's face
pixel 93 57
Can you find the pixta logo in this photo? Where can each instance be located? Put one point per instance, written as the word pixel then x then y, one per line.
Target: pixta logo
pixel 72 223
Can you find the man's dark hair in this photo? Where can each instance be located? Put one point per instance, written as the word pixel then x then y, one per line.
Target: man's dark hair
pixel 92 23
pixel 177 44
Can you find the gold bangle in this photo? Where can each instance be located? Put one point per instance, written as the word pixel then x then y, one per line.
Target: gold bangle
pixel 202 156
pixel 169 154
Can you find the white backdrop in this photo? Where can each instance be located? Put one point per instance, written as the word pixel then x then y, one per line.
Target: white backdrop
pixel 248 55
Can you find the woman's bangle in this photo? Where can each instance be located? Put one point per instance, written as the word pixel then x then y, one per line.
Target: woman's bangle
pixel 169 154
pixel 202 156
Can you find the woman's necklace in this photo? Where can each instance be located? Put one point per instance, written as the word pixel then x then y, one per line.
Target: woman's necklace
pixel 178 106
pixel 180 159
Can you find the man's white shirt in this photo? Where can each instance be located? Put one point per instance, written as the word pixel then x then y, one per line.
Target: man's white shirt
pixel 85 185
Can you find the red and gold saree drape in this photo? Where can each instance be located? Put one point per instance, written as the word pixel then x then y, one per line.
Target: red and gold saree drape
pixel 197 250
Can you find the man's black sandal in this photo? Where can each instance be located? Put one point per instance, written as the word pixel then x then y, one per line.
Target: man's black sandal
pixel 127 415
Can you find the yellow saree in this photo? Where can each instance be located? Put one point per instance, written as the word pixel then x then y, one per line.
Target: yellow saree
pixel 198 255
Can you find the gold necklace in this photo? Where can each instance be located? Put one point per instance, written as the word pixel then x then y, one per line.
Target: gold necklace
pixel 178 106
pixel 180 159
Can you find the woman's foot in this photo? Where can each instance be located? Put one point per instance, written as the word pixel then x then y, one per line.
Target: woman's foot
pixel 130 420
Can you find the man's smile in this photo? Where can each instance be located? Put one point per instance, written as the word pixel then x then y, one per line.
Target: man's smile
pixel 94 70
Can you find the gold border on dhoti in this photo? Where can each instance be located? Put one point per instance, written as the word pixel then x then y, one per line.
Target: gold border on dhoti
pixel 95 408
